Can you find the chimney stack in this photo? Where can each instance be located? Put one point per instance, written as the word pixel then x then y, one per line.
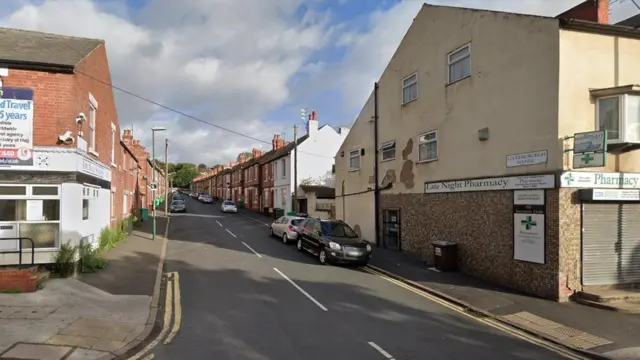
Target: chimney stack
pixel 312 124
pixel 275 142
pixel 590 10
pixel 127 137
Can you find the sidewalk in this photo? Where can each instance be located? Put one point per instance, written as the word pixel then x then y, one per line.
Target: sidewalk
pixel 606 334
pixel 96 316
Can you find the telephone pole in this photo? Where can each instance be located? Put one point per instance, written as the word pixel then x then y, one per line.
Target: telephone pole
pixel 294 205
pixel 166 177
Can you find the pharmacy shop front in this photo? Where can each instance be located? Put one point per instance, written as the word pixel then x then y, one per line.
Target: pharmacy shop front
pixel 63 198
pixel 610 222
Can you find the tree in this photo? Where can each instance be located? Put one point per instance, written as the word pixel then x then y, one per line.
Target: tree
pixel 202 166
pixel 247 156
pixel 327 179
pixel 183 174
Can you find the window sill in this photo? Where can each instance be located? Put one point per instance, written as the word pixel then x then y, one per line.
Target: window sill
pixel 457 80
pixel 113 164
pixel 387 160
pixel 93 152
pixel 427 161
pixel 408 102
pixel 354 170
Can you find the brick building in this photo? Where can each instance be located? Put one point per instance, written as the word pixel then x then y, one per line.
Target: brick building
pixel 252 188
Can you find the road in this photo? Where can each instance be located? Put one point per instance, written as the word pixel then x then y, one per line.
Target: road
pixel 246 296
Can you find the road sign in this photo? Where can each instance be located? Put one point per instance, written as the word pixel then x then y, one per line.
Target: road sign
pixel 589 149
pixel 153 186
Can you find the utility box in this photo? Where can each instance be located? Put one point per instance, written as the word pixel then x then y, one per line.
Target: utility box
pixel 445 255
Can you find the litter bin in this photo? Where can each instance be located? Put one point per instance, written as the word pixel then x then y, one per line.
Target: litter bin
pixel 277 212
pixel 144 213
pixel 445 255
pixel 291 213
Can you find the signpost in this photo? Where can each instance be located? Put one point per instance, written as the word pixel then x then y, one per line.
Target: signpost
pixel 589 149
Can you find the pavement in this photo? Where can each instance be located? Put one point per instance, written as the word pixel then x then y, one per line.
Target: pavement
pixel 244 295
pixel 94 316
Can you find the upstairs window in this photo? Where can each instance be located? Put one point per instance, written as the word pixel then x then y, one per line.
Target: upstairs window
pixel 428 147
pixel 354 160
pixel 388 150
pixel 284 168
pixel 459 64
pixel 409 88
pixel 620 116
pixel 92 127
pixel 113 144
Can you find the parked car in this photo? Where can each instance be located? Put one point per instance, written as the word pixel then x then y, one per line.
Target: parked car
pixel 194 195
pixel 332 241
pixel 178 206
pixel 285 228
pixel 228 206
pixel 206 199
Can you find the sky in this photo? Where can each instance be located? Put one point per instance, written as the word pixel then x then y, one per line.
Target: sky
pixel 249 66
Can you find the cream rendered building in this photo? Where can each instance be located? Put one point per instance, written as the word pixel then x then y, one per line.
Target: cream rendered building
pixel 475 105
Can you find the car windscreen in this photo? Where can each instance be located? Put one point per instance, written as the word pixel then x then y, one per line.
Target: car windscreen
pixel 338 229
pixel 296 222
pixel 180 202
pixel 229 203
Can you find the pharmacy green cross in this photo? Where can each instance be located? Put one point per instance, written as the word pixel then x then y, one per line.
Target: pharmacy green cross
pixel 569 178
pixel 528 223
pixel 587 158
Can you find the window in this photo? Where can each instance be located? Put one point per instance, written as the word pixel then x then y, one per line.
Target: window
pixel 609 116
pixel 354 160
pixel 337 229
pixel 388 150
pixel 92 127
pixel 428 147
pixel 284 168
pixel 113 144
pixel 13 210
pixel 459 64
pixel 620 116
pixel 409 88
pixel 44 191
pixel 13 190
pixel 85 209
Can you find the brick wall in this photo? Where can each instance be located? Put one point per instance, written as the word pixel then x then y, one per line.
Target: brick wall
pixel 570 252
pixel 22 280
pixel 482 224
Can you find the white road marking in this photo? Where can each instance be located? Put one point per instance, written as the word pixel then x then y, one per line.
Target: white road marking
pixel 249 247
pixel 232 234
pixel 380 350
pixel 301 290
pixel 219 223
pixel 256 220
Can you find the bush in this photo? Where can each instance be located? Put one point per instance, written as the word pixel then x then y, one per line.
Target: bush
pixel 91 259
pixel 64 260
pixel 110 237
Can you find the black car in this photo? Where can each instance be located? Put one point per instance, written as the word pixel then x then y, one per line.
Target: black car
pixel 332 241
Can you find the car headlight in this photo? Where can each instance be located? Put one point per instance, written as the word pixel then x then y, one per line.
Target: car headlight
pixel 334 246
pixel 368 248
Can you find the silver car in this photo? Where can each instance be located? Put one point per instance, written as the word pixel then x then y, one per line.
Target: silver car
pixel 285 228
pixel 178 206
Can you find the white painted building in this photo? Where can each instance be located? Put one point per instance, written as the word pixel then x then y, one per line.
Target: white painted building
pixel 63 197
pixel 316 150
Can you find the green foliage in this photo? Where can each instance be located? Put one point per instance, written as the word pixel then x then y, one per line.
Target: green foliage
pixel 183 174
pixel 91 259
pixel 247 155
pixel 64 260
pixel 110 237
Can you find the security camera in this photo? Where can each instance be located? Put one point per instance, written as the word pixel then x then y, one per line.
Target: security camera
pixel 80 118
pixel 66 137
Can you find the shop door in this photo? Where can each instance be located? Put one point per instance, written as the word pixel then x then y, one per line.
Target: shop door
pixel 610 244
pixel 303 206
pixel 391 229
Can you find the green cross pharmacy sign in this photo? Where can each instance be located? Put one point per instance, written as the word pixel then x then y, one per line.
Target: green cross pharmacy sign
pixel 528 223
pixel 583 179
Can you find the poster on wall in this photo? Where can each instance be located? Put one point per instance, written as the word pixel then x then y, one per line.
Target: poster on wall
pixel 16 127
pixel 529 228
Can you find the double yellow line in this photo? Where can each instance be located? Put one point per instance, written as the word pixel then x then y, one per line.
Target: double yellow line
pixel 172 304
pixel 487 321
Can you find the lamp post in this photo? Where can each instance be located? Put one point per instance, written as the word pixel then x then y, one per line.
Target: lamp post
pixel 153 175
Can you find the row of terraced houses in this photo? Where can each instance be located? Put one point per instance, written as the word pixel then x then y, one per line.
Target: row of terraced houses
pixel 66 172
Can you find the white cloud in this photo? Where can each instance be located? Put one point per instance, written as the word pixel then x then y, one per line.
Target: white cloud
pixel 222 61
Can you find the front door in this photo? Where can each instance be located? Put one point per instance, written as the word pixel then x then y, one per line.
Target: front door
pixel 391 229
pixel 302 206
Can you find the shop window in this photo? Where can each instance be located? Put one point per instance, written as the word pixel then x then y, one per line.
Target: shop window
pixel 13 210
pixel 51 210
pixel 85 209
pixel 44 191
pixel 13 190
pixel 43 234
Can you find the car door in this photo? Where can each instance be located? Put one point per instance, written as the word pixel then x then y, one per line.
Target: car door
pixel 277 226
pixel 306 230
pixel 315 235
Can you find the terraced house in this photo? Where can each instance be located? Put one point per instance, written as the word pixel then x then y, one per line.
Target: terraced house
pixel 65 174
pixel 490 134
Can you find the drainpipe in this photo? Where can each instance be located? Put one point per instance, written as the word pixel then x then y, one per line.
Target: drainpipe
pixel 376 189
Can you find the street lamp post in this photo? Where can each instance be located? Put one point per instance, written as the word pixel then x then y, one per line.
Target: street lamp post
pixel 153 176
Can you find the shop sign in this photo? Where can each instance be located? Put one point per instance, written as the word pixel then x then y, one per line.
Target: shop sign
pixel 92 168
pixel 615 195
pixel 579 179
pixel 529 227
pixel 581 161
pixel 525 159
pixel 16 127
pixel 490 184
pixel 589 149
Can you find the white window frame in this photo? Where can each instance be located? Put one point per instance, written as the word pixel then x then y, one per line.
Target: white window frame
pixel 284 168
pixel 93 114
pixel 623 116
pixel 423 142
pixel 453 62
pixel 412 83
pixel 29 196
pixel 387 147
pixel 351 156
pixel 113 145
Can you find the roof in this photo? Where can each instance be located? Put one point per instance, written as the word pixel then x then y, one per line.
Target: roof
pixel 288 148
pixel 320 191
pixel 39 48
pixel 633 21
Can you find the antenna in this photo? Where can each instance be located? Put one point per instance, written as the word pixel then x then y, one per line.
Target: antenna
pixel 303 115
pixel 283 135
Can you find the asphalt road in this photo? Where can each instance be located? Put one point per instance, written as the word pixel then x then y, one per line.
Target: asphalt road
pixel 246 296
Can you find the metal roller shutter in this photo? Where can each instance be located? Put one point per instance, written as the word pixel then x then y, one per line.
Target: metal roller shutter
pixel 610 244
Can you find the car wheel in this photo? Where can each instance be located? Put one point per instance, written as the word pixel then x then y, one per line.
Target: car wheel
pixel 299 245
pixel 285 238
pixel 270 231
pixel 322 257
